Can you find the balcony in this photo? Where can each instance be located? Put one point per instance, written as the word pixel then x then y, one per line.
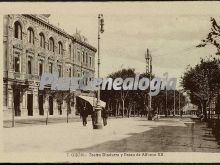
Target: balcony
pixel 29 76
pixel 5 74
pixel 17 43
pixel 32 77
pixel 18 75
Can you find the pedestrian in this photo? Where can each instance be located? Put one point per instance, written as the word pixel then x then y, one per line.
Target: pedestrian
pixel 84 115
pixel 155 116
pixel 104 116
pixel 93 118
pixel 181 113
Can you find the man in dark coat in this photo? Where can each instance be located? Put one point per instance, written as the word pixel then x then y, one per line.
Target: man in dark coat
pixel 84 115
pixel 104 116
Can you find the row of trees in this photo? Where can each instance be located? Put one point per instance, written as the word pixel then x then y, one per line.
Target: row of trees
pixel 209 88
pixel 203 81
pixel 135 102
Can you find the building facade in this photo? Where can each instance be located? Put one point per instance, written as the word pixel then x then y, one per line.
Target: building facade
pixel 32 46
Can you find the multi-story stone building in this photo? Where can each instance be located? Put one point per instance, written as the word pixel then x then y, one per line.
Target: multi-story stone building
pixel 32 46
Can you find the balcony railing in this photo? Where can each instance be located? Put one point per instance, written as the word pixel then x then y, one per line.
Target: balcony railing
pixel 17 75
pixel 29 76
pixel 32 77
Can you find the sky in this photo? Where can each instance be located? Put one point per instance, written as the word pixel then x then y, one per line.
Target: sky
pixel 170 31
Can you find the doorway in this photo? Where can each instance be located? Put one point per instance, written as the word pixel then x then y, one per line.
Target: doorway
pixel 60 108
pixel 30 104
pixel 41 102
pixel 16 105
pixel 50 105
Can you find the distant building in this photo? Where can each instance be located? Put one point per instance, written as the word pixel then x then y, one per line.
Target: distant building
pixel 32 46
pixel 190 109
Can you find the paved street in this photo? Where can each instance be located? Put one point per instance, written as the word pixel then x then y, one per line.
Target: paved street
pixel 128 134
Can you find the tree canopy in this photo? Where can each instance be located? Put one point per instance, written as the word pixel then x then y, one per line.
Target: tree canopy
pixel 202 82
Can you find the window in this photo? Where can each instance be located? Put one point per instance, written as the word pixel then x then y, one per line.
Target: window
pixel 60 45
pixel 29 66
pixel 73 73
pixel 40 68
pixel 90 61
pixel 79 56
pixel 86 81
pixel 83 56
pixel 86 58
pixel 16 64
pixel 60 70
pixel 42 40
pixel 17 30
pixel 51 44
pixel 5 100
pixel 50 67
pixel 70 72
pixel 30 35
pixel 70 50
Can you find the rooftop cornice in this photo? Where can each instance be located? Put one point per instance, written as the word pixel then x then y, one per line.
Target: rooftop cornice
pixel 62 32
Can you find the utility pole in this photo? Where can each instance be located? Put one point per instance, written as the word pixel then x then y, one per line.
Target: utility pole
pixel 13 108
pixel 98 122
pixel 166 113
pixel 174 103
pixel 148 59
pixel 179 104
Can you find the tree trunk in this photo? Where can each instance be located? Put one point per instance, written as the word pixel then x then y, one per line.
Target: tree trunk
pixel 119 108
pixel 134 110
pixel 204 110
pixel 116 109
pixel 68 110
pixel 123 107
pixel 111 109
pixel 128 110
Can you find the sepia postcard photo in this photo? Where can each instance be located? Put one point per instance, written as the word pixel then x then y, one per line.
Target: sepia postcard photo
pixel 110 82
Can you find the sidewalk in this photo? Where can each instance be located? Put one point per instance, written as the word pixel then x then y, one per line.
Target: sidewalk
pixel 21 122
pixel 120 135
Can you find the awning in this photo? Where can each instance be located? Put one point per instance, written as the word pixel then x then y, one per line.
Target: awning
pixel 92 100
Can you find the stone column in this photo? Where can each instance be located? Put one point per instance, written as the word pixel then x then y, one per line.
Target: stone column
pixel 46 105
pixel 24 105
pixel 73 108
pixel 8 114
pixel 55 107
pixel 35 102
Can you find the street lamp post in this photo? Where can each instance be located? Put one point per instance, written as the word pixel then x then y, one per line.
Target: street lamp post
pixel 148 58
pixel 97 122
pixel 166 113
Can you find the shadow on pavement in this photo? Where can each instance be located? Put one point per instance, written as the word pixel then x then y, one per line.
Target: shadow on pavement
pixel 160 139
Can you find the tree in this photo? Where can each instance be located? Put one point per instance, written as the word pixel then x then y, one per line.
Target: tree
pixel 213 36
pixel 122 94
pixel 217 108
pixel 125 100
pixel 202 81
pixel 144 96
